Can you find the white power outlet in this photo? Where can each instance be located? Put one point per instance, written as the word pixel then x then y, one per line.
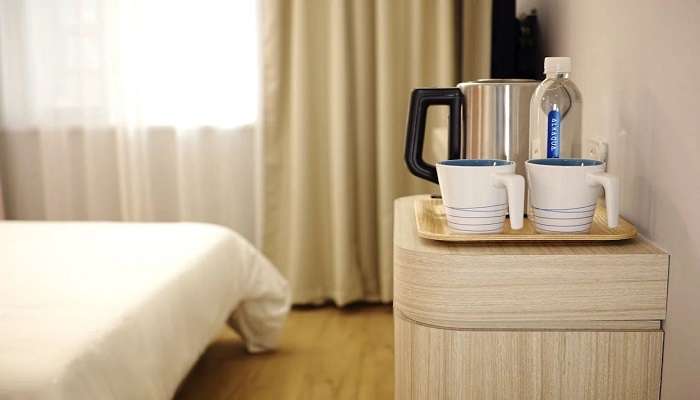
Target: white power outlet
pixel 596 149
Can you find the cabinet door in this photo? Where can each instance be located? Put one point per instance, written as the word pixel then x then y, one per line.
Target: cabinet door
pixel 433 363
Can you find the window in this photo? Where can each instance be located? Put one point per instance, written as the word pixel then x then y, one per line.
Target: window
pixel 146 62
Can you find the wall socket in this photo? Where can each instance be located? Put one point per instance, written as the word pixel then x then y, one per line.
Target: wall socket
pixel 596 149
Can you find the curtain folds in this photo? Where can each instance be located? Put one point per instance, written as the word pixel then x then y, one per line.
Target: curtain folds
pixel 117 110
pixel 2 203
pixel 337 77
pixel 159 174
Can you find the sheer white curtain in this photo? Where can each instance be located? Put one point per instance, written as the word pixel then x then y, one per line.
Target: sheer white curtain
pixel 129 110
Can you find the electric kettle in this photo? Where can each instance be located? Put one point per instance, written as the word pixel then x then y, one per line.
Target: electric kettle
pixel 495 114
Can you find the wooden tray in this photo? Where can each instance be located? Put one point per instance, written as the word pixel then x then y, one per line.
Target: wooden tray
pixel 432 224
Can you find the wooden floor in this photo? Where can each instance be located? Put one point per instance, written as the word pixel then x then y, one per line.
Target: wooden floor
pixel 326 353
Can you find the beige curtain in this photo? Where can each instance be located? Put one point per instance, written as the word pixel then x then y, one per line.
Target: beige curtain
pixel 2 203
pixel 336 83
pixel 103 117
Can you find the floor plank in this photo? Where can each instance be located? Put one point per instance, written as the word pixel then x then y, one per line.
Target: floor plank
pixel 325 353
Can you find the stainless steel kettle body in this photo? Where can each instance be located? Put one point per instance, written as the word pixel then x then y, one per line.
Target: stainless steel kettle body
pixel 489 118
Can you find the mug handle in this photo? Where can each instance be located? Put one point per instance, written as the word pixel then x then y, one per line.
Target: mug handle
pixel 611 185
pixel 515 189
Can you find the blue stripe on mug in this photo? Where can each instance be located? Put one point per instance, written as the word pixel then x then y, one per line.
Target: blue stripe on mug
pixel 563 226
pixel 570 209
pixel 474 226
pixel 476 230
pixel 478 211
pixel 472 208
pixel 565 212
pixel 560 218
pixel 480 216
pixel 461 224
pixel 549 230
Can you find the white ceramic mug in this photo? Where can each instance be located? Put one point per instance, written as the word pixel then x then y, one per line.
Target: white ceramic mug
pixel 564 192
pixel 477 194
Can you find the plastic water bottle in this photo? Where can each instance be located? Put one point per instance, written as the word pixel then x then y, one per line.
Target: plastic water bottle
pixel 555 113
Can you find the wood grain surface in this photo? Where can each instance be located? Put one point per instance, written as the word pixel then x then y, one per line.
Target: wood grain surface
pixel 526 320
pixel 406 237
pixel 451 284
pixel 432 224
pixel 325 353
pixel 546 325
pixel 436 363
pixel 451 290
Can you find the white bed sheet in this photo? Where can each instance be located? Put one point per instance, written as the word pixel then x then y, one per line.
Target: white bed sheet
pixel 122 310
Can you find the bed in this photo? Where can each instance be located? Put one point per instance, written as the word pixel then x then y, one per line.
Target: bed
pixel 123 310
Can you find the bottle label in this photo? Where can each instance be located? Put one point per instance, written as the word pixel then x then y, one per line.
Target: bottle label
pixel 553 133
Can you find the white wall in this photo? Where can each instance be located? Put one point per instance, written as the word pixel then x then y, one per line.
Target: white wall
pixel 637 63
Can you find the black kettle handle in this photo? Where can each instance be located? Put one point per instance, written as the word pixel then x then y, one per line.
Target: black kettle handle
pixel 421 99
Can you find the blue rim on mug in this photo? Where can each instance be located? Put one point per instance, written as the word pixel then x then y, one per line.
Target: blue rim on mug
pixel 565 162
pixel 475 163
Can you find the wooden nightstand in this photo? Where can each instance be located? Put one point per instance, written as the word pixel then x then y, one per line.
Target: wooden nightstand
pixel 526 321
